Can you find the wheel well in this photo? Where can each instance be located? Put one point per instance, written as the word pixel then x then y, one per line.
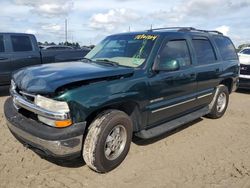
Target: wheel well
pixel 130 108
pixel 228 83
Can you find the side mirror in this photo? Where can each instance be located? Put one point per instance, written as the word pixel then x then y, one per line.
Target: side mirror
pixel 168 65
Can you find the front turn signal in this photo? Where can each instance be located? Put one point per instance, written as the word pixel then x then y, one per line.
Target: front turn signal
pixel 64 123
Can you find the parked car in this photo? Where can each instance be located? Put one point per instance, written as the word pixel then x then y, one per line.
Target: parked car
pixel 139 83
pixel 244 56
pixel 19 50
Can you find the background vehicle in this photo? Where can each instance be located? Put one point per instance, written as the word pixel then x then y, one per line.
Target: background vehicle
pixel 244 56
pixel 19 50
pixel 143 83
pixel 56 47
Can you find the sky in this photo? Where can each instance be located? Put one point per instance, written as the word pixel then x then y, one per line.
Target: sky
pixel 89 21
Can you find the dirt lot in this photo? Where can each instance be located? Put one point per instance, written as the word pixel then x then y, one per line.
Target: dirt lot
pixel 206 153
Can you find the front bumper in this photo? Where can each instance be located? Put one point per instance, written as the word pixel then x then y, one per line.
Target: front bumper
pixel 244 82
pixel 55 142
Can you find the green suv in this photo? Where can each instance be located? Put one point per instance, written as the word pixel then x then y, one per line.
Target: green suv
pixel 138 83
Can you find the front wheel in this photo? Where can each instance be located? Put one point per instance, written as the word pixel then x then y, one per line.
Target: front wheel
pixel 221 102
pixel 108 141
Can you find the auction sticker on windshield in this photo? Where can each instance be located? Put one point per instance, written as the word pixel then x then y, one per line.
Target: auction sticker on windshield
pixel 145 37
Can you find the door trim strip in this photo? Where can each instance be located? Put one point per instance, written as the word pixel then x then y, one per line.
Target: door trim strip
pixel 171 106
pixel 206 95
pixel 184 102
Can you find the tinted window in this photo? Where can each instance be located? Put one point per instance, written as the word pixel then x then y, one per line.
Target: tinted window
pixel 204 51
pixel 226 48
pixel 1 44
pixel 176 50
pixel 21 43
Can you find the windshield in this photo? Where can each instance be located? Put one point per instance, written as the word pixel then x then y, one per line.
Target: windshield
pixel 125 50
pixel 246 51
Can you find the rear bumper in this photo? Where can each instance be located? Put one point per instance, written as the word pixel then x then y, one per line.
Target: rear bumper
pixel 55 142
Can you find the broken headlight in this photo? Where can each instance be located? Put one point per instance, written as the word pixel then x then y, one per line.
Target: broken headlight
pixel 53 106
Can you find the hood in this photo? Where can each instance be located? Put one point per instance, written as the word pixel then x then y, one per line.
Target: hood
pixel 45 79
pixel 244 59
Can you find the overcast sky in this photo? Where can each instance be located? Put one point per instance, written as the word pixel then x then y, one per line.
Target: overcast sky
pixel 89 21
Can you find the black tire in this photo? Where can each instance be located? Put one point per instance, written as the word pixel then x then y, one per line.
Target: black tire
pixel 95 143
pixel 215 112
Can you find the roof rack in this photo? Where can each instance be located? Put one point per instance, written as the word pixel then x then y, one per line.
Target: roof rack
pixel 186 29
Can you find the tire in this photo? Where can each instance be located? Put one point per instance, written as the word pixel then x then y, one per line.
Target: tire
pixel 111 130
pixel 221 102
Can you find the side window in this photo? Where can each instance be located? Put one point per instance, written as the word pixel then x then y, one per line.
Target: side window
pixel 226 48
pixel 2 49
pixel 175 51
pixel 204 51
pixel 21 43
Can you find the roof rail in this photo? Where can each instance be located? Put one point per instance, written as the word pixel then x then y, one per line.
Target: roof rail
pixel 200 30
pixel 186 29
pixel 171 28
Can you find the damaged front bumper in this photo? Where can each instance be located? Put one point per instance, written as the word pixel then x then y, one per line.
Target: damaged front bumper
pixel 55 142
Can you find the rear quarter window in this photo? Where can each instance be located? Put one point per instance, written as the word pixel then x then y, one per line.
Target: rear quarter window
pixel 21 43
pixel 226 48
pixel 2 49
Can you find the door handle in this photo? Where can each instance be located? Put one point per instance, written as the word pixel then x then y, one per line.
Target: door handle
pixel 192 75
pixel 3 58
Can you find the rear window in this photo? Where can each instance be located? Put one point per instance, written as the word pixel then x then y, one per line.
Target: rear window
pixel 204 51
pixel 226 48
pixel 1 44
pixel 21 43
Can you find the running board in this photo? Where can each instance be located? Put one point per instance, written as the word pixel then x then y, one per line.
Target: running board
pixel 168 126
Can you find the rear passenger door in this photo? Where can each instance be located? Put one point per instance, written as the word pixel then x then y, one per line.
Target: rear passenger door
pixel 172 93
pixel 24 51
pixel 208 69
pixel 5 62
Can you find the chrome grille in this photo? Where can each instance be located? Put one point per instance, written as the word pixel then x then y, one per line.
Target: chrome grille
pixel 27 96
pixel 245 69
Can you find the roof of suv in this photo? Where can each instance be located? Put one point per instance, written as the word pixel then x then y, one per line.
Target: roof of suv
pixel 174 30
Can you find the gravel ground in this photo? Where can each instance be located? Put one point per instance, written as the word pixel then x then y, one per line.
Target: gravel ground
pixel 205 153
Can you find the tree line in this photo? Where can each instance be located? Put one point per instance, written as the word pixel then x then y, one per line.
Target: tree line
pixel 75 45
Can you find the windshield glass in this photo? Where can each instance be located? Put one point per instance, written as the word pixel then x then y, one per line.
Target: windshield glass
pixel 125 50
pixel 246 51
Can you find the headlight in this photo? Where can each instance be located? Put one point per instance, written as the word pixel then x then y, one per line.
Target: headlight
pixel 55 106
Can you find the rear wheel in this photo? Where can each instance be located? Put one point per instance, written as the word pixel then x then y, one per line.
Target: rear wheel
pixel 221 102
pixel 108 140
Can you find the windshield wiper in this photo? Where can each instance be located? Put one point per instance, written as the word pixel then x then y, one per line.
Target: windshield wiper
pixel 86 59
pixel 108 62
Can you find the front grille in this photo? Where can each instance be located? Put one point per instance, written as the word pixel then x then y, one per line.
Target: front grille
pixel 245 69
pixel 27 96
